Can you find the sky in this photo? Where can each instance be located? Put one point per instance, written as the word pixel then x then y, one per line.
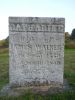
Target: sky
pixel 36 8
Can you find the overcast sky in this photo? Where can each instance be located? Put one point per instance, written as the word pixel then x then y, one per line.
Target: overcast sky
pixel 36 8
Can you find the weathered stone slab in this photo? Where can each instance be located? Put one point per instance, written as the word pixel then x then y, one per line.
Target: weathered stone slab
pixel 36 50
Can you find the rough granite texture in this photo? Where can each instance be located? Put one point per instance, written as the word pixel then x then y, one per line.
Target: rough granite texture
pixel 36 50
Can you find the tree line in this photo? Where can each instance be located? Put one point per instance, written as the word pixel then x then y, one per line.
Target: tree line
pixel 70 39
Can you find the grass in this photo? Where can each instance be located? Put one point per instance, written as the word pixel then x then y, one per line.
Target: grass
pixel 30 96
pixel 69 74
pixel 69 69
pixel 3 67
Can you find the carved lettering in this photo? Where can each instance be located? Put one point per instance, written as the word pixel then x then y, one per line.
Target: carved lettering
pixel 36 49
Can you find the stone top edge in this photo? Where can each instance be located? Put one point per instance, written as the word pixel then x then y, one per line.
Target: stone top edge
pixel 55 20
pixel 36 17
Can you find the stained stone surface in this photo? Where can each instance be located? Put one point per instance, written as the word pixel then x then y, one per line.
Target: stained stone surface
pixel 36 50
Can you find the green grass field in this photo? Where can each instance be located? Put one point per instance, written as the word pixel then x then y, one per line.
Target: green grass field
pixel 4 63
pixel 69 74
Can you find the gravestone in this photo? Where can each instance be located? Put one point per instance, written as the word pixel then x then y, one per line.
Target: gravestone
pixel 36 50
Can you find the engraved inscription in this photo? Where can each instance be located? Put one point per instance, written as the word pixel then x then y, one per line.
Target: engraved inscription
pixel 36 49
pixel 36 27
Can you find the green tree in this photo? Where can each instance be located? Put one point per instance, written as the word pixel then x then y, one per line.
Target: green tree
pixel 73 34
pixel 7 41
pixel 4 43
